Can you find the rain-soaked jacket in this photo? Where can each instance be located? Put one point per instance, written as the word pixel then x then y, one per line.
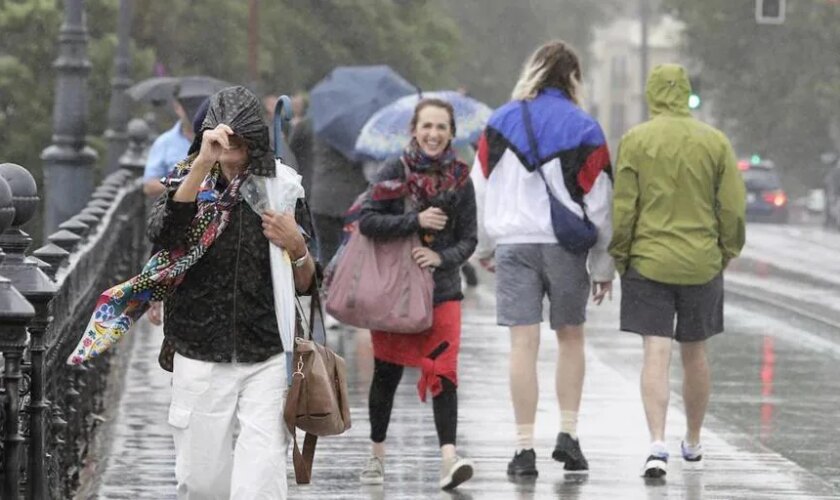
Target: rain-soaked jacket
pixel 678 203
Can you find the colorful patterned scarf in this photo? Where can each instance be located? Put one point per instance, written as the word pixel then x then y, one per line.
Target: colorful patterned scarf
pixel 119 307
pixel 427 176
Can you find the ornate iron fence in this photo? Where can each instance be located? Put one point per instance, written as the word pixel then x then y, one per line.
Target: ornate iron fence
pixel 51 410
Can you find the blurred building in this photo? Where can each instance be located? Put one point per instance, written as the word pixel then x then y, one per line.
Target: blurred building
pixel 613 78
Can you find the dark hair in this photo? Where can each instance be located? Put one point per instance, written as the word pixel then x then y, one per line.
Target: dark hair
pixel 437 103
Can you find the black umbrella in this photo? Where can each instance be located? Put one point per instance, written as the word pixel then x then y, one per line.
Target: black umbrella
pixel 156 90
pixel 342 102
pixel 162 88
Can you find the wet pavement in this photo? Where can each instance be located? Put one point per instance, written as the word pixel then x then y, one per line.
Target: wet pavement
pixel 771 429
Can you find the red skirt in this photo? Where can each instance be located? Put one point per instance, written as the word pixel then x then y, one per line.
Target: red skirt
pixel 434 351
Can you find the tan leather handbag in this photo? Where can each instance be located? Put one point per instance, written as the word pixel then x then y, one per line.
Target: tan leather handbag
pixel 317 400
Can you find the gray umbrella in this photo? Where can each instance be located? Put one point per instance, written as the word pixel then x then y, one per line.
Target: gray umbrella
pixel 160 89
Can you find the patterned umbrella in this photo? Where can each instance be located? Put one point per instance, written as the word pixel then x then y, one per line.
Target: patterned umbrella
pixel 387 132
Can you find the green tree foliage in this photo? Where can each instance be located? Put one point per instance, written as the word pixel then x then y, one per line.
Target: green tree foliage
pixel 28 47
pixel 300 41
pixel 497 37
pixel 775 88
pixel 26 76
pixel 435 44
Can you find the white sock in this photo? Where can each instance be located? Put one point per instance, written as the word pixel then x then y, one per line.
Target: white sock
pixel 568 423
pixel 659 449
pixel 524 437
pixel 692 450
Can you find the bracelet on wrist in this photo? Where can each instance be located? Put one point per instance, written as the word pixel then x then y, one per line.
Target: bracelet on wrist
pixel 300 262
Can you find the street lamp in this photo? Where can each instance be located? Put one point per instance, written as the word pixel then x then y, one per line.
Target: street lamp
pixel 118 109
pixel 68 161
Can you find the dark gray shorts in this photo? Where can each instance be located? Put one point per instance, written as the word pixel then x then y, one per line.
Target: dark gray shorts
pixel 526 273
pixel 648 308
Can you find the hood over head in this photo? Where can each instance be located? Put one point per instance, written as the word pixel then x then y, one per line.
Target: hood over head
pixel 668 90
pixel 241 110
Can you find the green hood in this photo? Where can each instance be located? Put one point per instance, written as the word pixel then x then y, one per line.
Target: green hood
pixel 667 90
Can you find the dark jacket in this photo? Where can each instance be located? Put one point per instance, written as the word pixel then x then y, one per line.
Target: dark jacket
pixel 301 143
pixel 223 310
pixel 336 181
pixel 455 243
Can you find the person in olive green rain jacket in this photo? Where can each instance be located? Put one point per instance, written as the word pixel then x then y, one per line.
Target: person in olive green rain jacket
pixel 678 219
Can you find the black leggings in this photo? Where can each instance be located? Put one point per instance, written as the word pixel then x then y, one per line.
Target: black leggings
pixel 386 378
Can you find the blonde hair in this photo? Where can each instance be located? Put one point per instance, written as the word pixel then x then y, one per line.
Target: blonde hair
pixel 555 64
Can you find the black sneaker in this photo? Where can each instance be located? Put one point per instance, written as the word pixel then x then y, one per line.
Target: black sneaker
pixel 524 463
pixel 656 466
pixel 567 450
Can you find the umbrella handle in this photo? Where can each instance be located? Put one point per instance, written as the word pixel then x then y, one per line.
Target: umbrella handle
pixel 282 115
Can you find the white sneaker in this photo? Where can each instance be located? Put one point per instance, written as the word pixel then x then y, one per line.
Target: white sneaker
pixel 374 471
pixel 454 471
pixel 692 456
pixel 656 465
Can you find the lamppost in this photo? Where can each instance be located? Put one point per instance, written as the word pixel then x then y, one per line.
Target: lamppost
pixel 118 109
pixel 68 161
pixel 644 15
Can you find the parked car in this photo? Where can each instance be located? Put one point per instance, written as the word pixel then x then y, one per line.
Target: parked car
pixel 766 199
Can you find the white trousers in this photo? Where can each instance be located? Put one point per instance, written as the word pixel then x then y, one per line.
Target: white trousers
pixel 208 401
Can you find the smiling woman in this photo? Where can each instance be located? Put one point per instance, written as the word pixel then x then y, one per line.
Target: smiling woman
pixel 433 126
pixel 426 191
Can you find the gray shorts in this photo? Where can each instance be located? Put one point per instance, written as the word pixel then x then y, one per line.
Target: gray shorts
pixel 526 273
pixel 648 308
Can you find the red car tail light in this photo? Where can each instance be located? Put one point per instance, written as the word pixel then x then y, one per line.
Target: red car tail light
pixel 776 198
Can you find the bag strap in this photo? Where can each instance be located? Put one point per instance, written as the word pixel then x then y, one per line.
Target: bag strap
pixel 315 304
pixel 407 203
pixel 532 143
pixel 302 460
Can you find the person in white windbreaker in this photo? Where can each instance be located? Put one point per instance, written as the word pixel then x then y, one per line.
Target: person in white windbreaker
pixel 544 190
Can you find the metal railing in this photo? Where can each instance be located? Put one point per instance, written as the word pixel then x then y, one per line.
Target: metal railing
pixel 51 410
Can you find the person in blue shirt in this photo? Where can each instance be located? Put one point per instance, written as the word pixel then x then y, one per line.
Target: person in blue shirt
pixel 168 149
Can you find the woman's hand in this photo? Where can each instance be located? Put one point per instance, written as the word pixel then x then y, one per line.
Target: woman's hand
pixel 155 314
pixel 432 218
pixel 213 143
pixel 601 289
pixel 426 257
pixel 282 230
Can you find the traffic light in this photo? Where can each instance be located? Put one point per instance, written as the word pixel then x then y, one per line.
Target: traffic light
pixel 770 11
pixel 694 99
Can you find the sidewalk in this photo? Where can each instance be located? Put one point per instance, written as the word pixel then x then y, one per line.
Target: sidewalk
pixel 612 429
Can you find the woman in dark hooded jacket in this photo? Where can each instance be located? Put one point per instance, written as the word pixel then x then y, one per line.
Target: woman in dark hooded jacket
pixel 229 365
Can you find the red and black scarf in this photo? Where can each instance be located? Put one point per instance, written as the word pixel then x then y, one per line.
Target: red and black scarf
pixel 426 178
